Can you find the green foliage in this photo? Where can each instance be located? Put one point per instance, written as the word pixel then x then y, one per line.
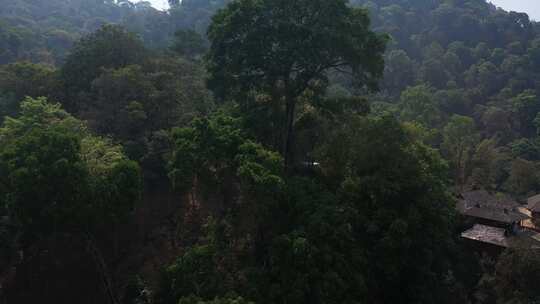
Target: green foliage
pixel 421 133
pixel 45 31
pixel 516 274
pixel 480 69
pixel 497 123
pixel 320 259
pixel 42 170
pixel 194 14
pixel 214 149
pixel 209 145
pixel 418 104
pixel 205 271
pixel 57 177
pixel 523 177
pixel 23 79
pixel 259 168
pixel 285 48
pixel 489 163
pixel 289 50
pixel 512 278
pixel 130 96
pixel 188 43
pixel 384 176
pixel 526 107
pixel 109 47
pixel 459 140
pixel 528 149
pixel 363 216
pixel 194 274
pixel 318 244
pixel 8 106
pixel 399 71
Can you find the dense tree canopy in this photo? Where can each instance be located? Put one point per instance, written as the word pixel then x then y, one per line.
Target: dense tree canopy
pixel 321 251
pixel 109 47
pixel 56 176
pixel 45 31
pixel 258 151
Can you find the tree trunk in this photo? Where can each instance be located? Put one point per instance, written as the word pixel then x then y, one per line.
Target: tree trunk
pixel 289 133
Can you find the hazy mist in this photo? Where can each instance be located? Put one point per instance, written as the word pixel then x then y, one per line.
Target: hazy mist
pixel 532 7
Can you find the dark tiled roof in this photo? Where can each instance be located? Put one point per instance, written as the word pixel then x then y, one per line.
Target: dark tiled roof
pixel 483 197
pixel 533 203
pixel 486 234
pixel 497 236
pixel 499 208
pixel 497 215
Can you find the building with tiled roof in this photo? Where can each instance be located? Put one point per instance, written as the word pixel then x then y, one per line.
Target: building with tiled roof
pixel 497 221
pixel 488 209
pixel 501 238
pixel 533 204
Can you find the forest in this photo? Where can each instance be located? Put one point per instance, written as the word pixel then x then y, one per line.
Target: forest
pixel 264 151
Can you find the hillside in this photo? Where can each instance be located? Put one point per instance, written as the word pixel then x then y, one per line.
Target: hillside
pixel 466 58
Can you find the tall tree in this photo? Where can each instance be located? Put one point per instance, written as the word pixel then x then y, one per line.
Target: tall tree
pixel 284 48
pixel 459 138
